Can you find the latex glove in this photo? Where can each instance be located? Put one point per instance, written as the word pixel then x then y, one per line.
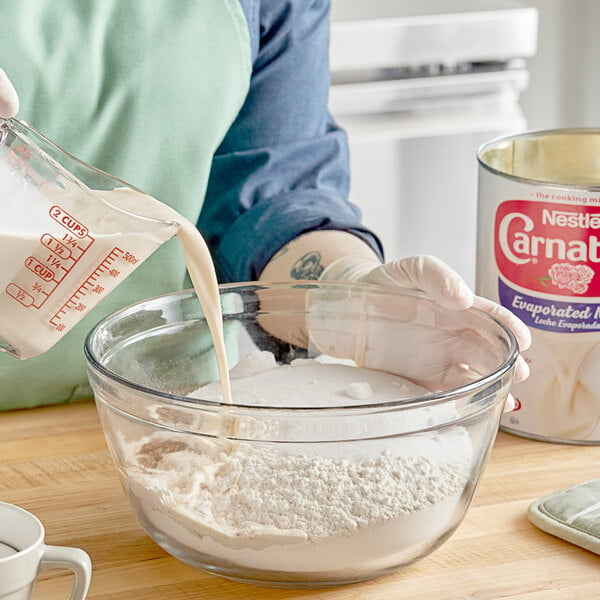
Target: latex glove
pixel 436 369
pixel 9 100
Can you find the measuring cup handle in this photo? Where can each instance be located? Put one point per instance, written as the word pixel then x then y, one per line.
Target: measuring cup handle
pixel 75 560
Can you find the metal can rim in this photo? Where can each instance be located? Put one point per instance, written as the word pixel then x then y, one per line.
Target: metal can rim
pixel 486 146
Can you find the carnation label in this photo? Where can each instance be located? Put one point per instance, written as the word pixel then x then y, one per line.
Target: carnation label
pixel 538 255
pixel 548 315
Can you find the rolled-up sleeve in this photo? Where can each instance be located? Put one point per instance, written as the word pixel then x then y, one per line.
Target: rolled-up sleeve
pixel 282 169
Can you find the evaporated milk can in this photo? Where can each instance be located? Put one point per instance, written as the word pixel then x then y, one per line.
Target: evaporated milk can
pixel 538 254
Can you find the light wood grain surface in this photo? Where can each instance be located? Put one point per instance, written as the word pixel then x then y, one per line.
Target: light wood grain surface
pixel 54 462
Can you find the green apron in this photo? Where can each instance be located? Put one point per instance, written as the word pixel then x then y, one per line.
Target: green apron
pixel 143 89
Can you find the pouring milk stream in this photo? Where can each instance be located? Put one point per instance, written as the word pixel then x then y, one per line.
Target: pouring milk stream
pixel 64 247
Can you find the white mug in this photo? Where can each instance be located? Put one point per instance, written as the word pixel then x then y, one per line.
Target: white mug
pixel 23 553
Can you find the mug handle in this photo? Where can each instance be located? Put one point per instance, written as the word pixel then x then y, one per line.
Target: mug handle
pixel 75 560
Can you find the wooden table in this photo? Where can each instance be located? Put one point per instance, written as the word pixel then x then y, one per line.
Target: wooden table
pixel 54 462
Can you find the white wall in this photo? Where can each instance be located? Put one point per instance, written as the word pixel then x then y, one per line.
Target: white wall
pixel 564 89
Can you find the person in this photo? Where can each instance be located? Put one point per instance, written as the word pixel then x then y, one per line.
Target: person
pixel 219 109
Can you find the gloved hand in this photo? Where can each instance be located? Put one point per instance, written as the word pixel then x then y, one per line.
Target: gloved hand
pixel 9 100
pixel 442 366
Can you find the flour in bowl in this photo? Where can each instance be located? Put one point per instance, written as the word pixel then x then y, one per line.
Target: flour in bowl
pixel 257 380
pixel 334 509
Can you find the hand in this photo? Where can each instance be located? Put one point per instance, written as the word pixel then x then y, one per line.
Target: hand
pixel 9 100
pixel 437 368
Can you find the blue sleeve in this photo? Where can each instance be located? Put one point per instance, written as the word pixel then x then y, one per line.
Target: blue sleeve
pixel 282 169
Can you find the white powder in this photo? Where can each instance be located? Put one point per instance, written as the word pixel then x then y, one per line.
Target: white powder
pixel 264 510
pixel 257 380
pixel 359 390
pixel 320 508
pixel 308 496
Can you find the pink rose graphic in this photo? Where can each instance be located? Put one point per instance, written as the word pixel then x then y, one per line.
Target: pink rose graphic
pixel 579 288
pixel 585 274
pixel 574 278
pixel 562 275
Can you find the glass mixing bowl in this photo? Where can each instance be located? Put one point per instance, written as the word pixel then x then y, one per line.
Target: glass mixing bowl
pixel 327 472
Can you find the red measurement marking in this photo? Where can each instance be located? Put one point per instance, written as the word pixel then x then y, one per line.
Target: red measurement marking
pixel 21 150
pixel 55 262
pixel 51 268
pixel 55 246
pixel 62 217
pixel 88 286
pixel 82 245
pixel 130 258
pixel 41 270
pixel 69 240
pixel 19 294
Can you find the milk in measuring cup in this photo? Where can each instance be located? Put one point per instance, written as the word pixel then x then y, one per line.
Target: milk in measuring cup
pixel 70 235
pixel 55 266
pixel 64 247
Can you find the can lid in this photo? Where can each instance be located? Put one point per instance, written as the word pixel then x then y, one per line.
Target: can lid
pixel 563 157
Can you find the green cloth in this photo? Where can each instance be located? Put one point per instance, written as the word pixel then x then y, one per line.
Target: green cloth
pixel 572 514
pixel 143 89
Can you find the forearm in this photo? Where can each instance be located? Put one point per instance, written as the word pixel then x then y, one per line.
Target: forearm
pixel 308 255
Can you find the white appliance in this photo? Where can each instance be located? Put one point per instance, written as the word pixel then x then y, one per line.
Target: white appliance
pixel 418 86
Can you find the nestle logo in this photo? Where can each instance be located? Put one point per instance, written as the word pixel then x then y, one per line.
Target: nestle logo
pixel 573 220
pixel 549 248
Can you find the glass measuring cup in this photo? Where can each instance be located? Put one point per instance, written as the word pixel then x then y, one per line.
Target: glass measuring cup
pixel 67 238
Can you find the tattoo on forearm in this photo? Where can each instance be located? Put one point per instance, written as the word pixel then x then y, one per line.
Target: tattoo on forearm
pixel 308 267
